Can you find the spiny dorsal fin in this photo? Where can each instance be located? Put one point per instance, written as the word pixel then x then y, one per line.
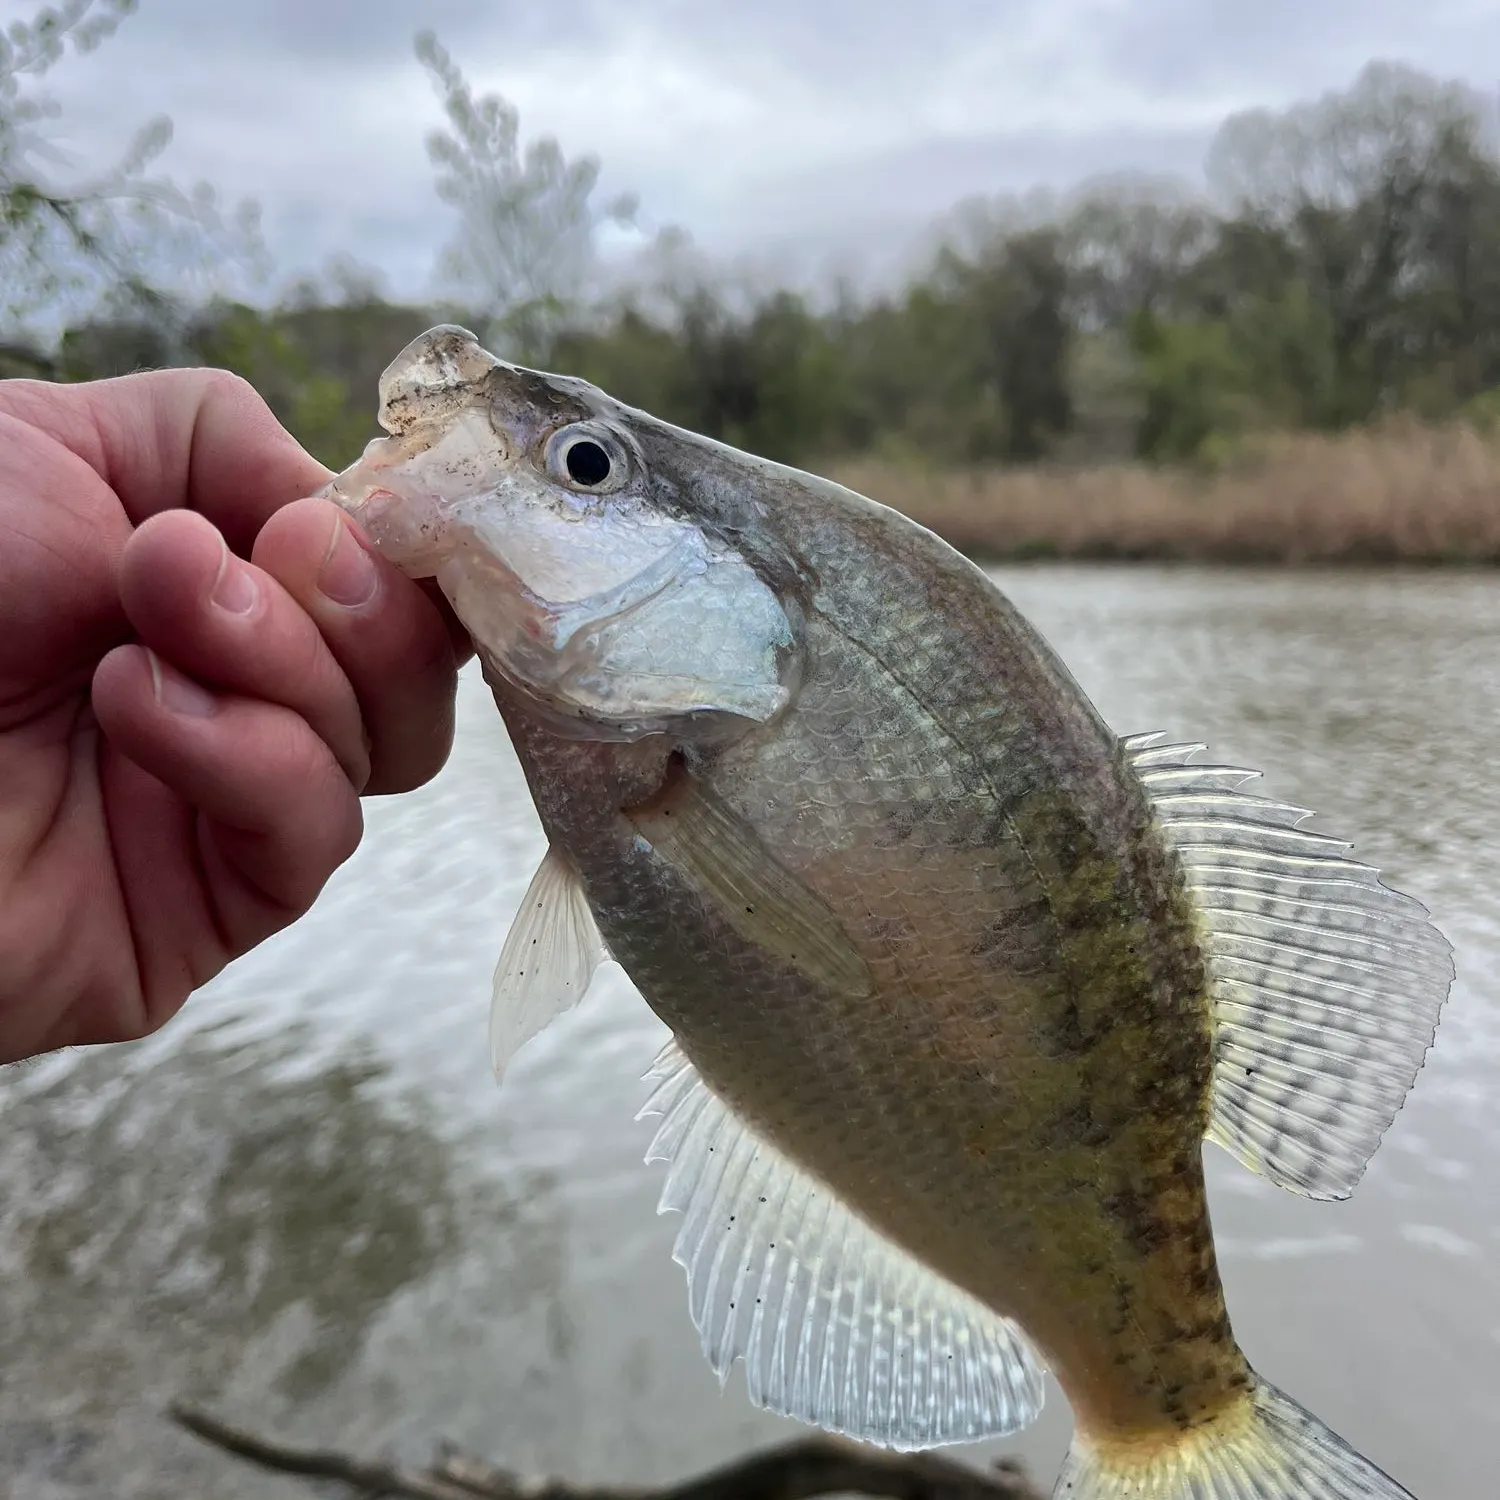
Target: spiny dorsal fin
pixel 1326 984
pixel 550 955
pixel 836 1325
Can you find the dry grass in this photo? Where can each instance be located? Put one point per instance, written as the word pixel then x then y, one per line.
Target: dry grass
pixel 1402 492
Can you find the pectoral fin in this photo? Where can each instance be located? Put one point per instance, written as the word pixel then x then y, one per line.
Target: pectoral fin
pixel 734 872
pixel 549 957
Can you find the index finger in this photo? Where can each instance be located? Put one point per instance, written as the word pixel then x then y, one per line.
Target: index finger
pixel 177 439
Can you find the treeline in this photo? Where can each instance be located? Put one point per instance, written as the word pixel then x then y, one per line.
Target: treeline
pixel 1344 264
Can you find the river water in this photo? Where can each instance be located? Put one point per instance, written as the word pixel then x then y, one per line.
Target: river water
pixel 306 1205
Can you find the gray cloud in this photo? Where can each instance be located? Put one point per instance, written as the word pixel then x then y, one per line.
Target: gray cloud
pixel 1279 50
pixel 838 126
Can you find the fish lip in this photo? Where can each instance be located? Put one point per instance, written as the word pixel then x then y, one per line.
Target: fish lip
pixel 370 502
pixel 382 513
pixel 336 494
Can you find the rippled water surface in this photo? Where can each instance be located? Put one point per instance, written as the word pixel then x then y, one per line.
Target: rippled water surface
pixel 307 1205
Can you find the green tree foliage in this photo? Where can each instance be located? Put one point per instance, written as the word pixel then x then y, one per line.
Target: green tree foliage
pixel 969 364
pixel 1356 268
pixel 1348 265
pixel 1351 267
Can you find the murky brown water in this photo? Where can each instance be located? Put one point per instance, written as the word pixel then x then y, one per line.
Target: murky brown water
pixel 307 1205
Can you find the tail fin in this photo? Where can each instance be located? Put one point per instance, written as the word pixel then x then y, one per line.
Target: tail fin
pixel 1267 1449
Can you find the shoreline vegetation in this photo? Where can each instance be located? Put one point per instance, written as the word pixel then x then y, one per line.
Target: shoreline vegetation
pixel 1296 362
pixel 1404 492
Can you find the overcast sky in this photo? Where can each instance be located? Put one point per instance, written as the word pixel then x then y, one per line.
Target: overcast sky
pixel 825 124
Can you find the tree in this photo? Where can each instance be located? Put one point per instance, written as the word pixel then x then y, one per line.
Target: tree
pixel 526 249
pixel 123 235
pixel 1022 298
pixel 1130 243
pixel 998 321
pixel 1385 197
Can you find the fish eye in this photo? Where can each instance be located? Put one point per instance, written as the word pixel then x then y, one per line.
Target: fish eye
pixel 587 458
pixel 587 462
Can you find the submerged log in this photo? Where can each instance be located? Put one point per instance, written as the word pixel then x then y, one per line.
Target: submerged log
pixel 799 1470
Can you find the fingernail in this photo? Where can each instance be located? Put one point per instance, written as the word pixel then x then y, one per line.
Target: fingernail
pixel 176 693
pixel 234 590
pixel 348 574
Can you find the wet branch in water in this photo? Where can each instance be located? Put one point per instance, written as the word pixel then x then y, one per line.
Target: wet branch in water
pixel 798 1470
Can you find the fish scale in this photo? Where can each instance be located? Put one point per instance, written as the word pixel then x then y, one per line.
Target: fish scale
pixel 958 981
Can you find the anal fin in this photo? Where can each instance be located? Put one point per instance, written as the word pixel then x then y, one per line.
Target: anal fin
pixel 836 1325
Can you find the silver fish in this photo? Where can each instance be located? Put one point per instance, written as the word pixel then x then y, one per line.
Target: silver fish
pixel 958 980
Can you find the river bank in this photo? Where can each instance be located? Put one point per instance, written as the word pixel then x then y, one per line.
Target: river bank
pixel 1403 492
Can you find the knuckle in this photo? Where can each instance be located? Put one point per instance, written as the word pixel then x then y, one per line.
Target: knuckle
pixel 226 387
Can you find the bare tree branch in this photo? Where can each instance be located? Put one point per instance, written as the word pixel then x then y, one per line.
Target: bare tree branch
pixel 799 1470
pixel 525 251
pixel 120 232
pixel 373 1477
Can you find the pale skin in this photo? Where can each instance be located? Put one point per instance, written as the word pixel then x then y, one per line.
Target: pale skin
pixel 202 671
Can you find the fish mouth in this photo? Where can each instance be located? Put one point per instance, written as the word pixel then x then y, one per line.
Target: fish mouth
pixel 404 490
pixel 385 516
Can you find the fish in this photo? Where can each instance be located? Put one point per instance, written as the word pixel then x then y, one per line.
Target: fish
pixel 958 980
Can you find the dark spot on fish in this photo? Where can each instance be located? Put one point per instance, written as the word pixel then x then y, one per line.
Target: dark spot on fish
pixel 1075 1125
pixel 1138 1218
pixel 1211 1327
pixel 987 830
pixel 892 929
pixel 1020 940
pixel 1203 1279
pixel 1062 1035
pixel 899 826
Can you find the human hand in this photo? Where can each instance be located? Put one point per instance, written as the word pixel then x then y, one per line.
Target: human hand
pixel 200 673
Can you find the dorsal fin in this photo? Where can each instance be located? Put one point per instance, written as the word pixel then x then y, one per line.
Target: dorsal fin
pixel 1326 984
pixel 836 1325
